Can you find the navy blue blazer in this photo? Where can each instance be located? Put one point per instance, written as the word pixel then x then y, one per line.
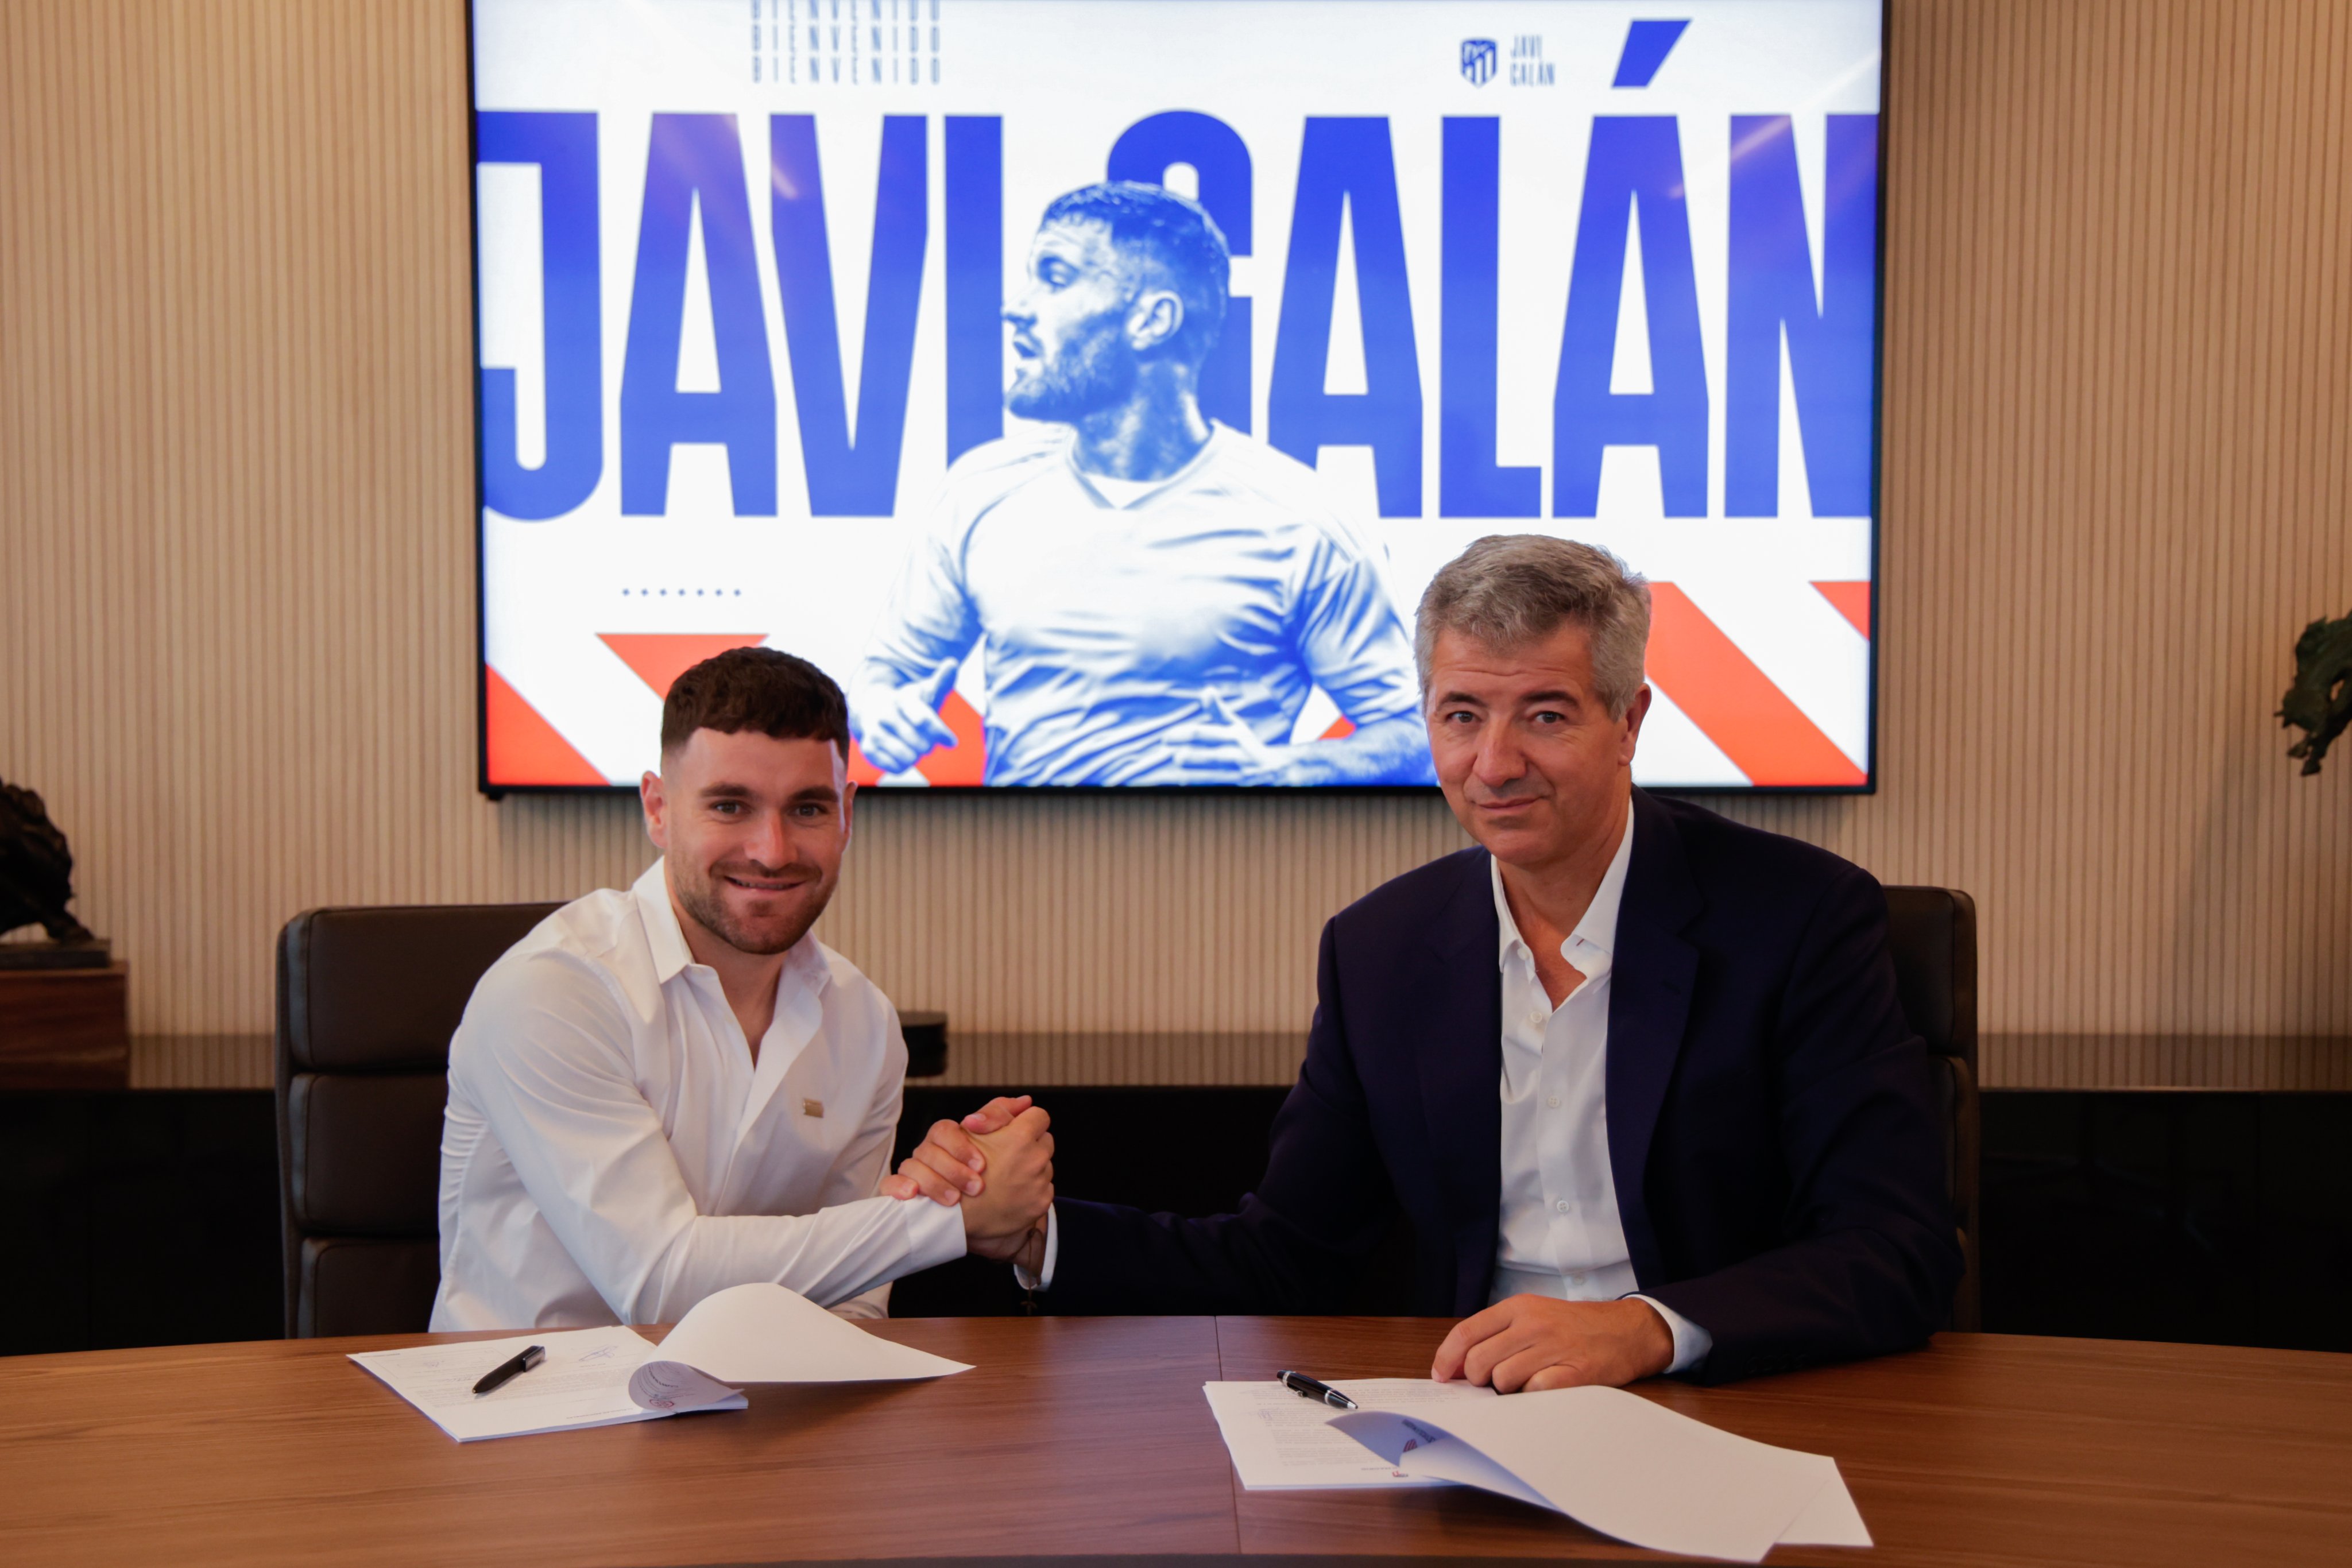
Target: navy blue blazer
pixel 1772 1130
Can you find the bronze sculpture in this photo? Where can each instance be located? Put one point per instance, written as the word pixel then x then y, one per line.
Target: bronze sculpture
pixel 2320 701
pixel 35 884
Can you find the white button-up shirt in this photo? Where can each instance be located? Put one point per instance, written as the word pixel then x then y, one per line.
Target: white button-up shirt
pixel 612 1155
pixel 1559 1233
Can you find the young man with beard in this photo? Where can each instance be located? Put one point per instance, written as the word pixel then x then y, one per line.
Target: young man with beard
pixel 1157 593
pixel 662 1092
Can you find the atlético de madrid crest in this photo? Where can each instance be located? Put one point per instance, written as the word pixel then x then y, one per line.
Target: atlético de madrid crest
pixel 1478 60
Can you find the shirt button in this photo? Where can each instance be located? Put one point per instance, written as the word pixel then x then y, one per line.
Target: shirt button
pixel 1562 1205
pixel 1553 1101
pixel 1576 1279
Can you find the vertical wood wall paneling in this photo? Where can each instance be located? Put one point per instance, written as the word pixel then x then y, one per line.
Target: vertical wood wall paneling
pixel 237 555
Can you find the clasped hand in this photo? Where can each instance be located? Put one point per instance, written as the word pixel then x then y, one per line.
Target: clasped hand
pixel 998 1165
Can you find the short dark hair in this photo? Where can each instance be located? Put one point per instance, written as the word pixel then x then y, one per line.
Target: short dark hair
pixel 1178 235
pixel 760 689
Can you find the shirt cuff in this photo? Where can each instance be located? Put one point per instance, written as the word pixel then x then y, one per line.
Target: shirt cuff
pixel 1691 1341
pixel 934 1234
pixel 1043 1280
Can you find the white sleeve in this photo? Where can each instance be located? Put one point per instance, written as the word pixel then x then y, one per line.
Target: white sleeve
pixel 1691 1341
pixel 542 1057
pixel 1043 1280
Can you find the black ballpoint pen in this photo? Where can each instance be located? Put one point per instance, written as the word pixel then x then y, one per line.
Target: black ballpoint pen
pixel 514 1366
pixel 1306 1387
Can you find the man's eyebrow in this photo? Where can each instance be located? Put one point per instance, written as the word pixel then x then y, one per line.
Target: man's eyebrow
pixel 1552 694
pixel 723 790
pixel 816 792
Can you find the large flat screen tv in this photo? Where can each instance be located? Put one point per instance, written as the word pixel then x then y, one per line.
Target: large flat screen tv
pixel 1092 386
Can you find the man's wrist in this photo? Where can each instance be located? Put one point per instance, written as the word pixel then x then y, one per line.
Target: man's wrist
pixel 934 1232
pixel 1041 1278
pixel 1687 1343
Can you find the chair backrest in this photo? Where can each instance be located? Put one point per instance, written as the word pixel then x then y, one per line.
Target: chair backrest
pixel 367 999
pixel 1933 933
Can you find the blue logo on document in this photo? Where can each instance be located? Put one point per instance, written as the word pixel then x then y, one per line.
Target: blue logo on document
pixel 1478 60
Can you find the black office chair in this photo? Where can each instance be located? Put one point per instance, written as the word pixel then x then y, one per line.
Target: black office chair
pixel 367 999
pixel 1933 933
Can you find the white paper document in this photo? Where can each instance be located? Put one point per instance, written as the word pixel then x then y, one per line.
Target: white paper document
pixel 1279 1440
pixel 765 1333
pixel 596 1377
pixel 1624 1467
pixel 584 1382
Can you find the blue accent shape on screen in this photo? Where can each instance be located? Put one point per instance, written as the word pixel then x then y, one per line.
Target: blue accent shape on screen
pixel 1220 159
pixel 1832 344
pixel 1469 482
pixel 696 161
pixel 1647 45
pixel 1345 164
pixel 1635 167
pixel 975 282
pixel 851 473
pixel 572 291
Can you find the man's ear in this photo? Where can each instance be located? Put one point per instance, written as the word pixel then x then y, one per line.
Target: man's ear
pixel 656 806
pixel 1636 711
pixel 1157 316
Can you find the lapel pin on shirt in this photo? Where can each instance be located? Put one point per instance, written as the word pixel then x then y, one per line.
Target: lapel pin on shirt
pixel 813 1108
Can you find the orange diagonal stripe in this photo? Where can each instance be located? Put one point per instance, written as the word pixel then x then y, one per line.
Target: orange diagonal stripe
pixel 660 657
pixel 1766 735
pixel 524 747
pixel 1852 600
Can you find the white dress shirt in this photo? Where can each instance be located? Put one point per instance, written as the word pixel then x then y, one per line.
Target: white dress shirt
pixel 1559 1234
pixel 612 1155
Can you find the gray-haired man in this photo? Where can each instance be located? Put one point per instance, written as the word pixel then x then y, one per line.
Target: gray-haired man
pixel 1636 1075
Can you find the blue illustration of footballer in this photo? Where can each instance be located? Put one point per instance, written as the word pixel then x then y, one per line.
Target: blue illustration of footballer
pixel 1157 593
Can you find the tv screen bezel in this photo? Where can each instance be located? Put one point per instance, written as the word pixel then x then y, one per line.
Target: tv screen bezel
pixel 1869 786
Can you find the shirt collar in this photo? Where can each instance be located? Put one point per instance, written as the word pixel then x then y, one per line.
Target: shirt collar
pixel 1597 930
pixel 1198 460
pixel 667 940
pixel 662 933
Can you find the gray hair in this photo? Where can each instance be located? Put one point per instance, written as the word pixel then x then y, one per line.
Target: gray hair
pixel 1509 589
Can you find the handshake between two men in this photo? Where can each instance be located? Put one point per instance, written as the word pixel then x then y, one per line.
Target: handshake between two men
pixel 998 1164
pixel 999 1168
pixel 1638 1078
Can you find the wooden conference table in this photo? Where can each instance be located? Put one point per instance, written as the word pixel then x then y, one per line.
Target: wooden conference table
pixel 1078 1437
